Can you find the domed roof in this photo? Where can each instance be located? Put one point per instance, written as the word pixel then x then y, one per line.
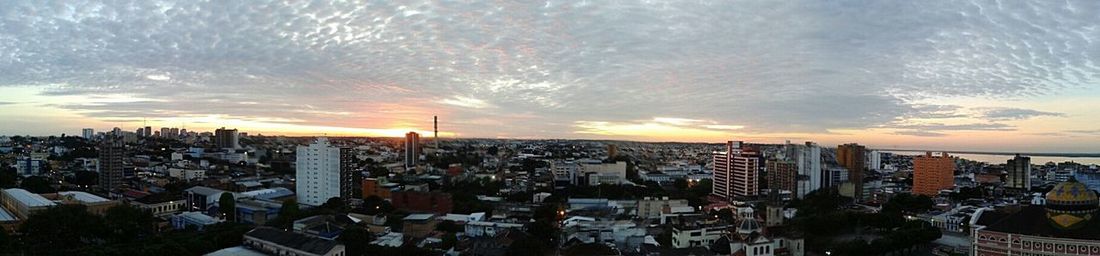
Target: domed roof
pixel 748 225
pixel 1071 204
pixel 1071 193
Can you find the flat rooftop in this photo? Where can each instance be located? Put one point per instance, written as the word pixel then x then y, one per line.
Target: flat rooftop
pixel 84 196
pixel 27 198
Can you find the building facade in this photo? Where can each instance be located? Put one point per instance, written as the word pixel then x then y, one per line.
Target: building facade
pixel 412 149
pixel 736 172
pixel 782 175
pixel 227 138
pixel 323 171
pixel 853 157
pixel 1019 173
pixel 111 153
pixel 932 174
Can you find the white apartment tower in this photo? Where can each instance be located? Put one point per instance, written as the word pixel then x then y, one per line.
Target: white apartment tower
pixel 323 172
pixel 808 157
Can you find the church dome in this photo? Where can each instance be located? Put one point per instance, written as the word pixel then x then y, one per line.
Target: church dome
pixel 1071 204
pixel 747 226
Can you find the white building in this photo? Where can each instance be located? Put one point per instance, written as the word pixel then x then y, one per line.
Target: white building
pixel 874 160
pixel 88 133
pixel 187 174
pixel 30 165
pixel 321 173
pixel 808 158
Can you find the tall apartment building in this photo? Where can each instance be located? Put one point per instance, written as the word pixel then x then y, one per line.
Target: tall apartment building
pixel 1019 173
pixel 88 133
pixel 933 173
pixel 807 158
pixel 323 171
pixel 111 153
pixel 227 138
pixel 782 175
pixel 148 132
pixel 735 172
pixel 412 149
pixel 853 157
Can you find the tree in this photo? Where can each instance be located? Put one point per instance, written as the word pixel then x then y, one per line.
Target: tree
pixel 356 239
pixel 8 177
pixel 127 223
pixel 61 229
pixel 227 205
pixel 86 178
pixel 37 185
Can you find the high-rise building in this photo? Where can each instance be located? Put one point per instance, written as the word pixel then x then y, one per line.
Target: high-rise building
pixel 782 175
pixel 412 149
pixel 612 151
pixel 111 153
pixel 808 159
pixel 735 172
pixel 116 132
pixel 853 157
pixel 88 133
pixel 323 171
pixel 140 132
pixel 148 132
pixel 874 160
pixel 1019 173
pixel 933 173
pixel 165 132
pixel 226 138
pixel 173 133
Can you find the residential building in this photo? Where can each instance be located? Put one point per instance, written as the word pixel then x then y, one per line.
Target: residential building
pixel 323 172
pixel 652 207
pixel 697 233
pixel 202 199
pixel 88 133
pixel 412 149
pixel 932 174
pixel 111 154
pixel 782 175
pixel 1019 173
pixel 809 173
pixel 278 242
pixel 378 187
pixel 853 157
pixel 227 138
pixel 736 172
pixel 30 165
pixel 418 225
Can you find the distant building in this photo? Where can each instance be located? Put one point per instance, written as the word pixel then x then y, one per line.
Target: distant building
pixel 379 188
pixel 323 172
pixel 1019 173
pixel 196 220
pixel 932 174
pixel 652 207
pixel 412 149
pixel 93 204
pixel 807 158
pixel 419 225
pixel 278 242
pixel 111 154
pixel 853 157
pixel 735 172
pixel 88 133
pixel 30 165
pixel 782 175
pixel 227 138
pixel 612 151
pixel 202 199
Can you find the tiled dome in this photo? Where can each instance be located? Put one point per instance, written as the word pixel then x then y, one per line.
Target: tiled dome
pixel 1071 204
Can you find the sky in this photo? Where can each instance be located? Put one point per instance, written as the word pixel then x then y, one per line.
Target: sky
pixel 960 75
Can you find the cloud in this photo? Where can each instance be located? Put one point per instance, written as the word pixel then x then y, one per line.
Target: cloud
pixel 1006 114
pixel 790 67
pixel 466 102
pixel 939 129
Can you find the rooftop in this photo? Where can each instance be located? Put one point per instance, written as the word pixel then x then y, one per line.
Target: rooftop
pixel 419 217
pixel 6 216
pixel 293 240
pixel 84 196
pixel 204 190
pixel 28 198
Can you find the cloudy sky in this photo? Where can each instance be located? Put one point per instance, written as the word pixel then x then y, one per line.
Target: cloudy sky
pixel 981 75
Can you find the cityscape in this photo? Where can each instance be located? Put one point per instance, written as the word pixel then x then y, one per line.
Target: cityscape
pixel 741 128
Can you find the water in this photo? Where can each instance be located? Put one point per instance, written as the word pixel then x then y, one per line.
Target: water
pixel 1000 159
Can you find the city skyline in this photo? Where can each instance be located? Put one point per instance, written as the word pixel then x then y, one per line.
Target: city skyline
pixel 986 76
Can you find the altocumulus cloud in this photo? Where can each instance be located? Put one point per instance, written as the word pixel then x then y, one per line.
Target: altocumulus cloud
pixel 793 66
